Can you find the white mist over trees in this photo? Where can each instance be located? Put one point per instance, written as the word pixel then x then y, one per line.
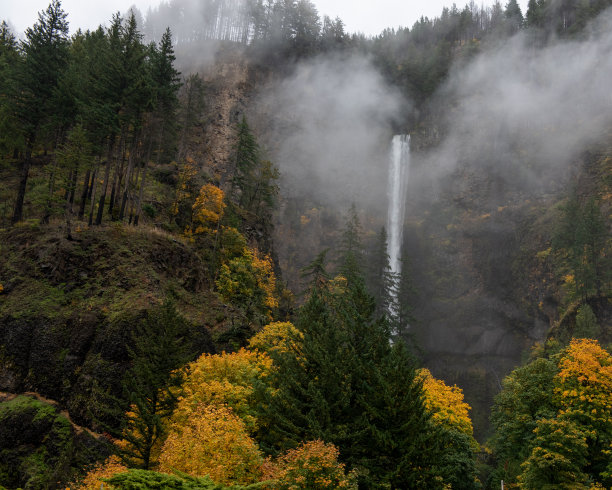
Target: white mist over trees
pixel 526 113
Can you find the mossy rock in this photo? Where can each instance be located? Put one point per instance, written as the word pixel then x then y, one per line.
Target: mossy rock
pixel 39 447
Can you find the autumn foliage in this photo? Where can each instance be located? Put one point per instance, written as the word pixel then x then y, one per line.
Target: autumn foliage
pixel 208 208
pixel 96 476
pixel 313 465
pixel 212 442
pixel 224 380
pixel 445 403
pixel 277 336
pixel 569 417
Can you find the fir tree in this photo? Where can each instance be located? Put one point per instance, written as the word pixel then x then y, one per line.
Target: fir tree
pixel 45 50
pixel 153 384
pixel 346 385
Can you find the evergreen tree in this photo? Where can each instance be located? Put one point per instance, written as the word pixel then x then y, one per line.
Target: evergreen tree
pixel 514 16
pixel 246 159
pixel 9 62
pixel 254 184
pixel 45 51
pixel 404 446
pixel 586 324
pixel 535 13
pixel 382 282
pixel 346 385
pixel 581 236
pixel 351 248
pixel 153 384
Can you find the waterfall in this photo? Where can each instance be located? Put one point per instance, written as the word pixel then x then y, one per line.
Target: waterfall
pixel 399 165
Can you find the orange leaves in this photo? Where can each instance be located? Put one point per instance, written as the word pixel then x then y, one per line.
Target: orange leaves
pixel 276 336
pixel 313 464
pixel 266 279
pixel 584 382
pixel 446 403
pixel 214 442
pixel 208 207
pixel 109 468
pixel 225 379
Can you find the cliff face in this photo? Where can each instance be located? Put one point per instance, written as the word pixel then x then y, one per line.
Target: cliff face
pixel 488 287
pixel 69 308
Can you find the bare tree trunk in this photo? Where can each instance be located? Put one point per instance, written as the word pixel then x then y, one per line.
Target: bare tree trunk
pixel 23 181
pixel 141 194
pixel 105 188
pixel 84 194
pixel 118 169
pixel 128 177
pixel 93 195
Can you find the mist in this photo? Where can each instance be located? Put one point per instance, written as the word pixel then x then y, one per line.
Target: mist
pixel 525 114
pixel 331 123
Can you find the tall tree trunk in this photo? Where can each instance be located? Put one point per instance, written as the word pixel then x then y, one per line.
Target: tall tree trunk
pixel 128 177
pixel 105 188
pixel 118 169
pixel 84 194
pixel 23 182
pixel 73 186
pixel 141 194
pixel 94 180
pixel 132 197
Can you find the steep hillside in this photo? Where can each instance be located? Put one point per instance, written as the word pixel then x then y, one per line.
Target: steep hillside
pixel 69 307
pixel 489 286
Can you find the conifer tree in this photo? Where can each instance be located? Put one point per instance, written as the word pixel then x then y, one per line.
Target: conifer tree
pixel 45 50
pixel 9 61
pixel 346 385
pixel 382 283
pixel 514 16
pixel 153 384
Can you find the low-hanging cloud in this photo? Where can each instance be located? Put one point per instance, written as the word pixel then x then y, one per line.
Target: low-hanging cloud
pixel 526 113
pixel 331 123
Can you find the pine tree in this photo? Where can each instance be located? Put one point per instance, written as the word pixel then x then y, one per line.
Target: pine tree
pixel 514 16
pixel 153 384
pixel 346 385
pixel 382 282
pixel 247 155
pixel 9 62
pixel 45 52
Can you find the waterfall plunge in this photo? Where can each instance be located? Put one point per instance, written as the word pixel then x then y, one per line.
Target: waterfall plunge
pixel 399 165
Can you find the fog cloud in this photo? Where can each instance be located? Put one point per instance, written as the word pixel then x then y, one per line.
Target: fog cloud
pixel 525 113
pixel 331 125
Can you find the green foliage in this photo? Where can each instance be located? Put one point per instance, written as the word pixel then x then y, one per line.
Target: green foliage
pixel 254 183
pixel 346 385
pixel 38 446
pixel 581 240
pixel 154 382
pixel 141 480
pixel 558 456
pixel 526 397
pixel 552 420
pixel 586 324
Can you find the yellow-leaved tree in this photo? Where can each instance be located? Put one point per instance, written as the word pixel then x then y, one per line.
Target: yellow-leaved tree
pixel 207 211
pixel 277 337
pixel 212 442
pixel 313 464
pixel 210 429
pixel 94 480
pixel 249 283
pixel 224 380
pixel 574 447
pixel 446 403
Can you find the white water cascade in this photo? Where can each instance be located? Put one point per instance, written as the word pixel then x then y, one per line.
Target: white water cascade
pixel 399 165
